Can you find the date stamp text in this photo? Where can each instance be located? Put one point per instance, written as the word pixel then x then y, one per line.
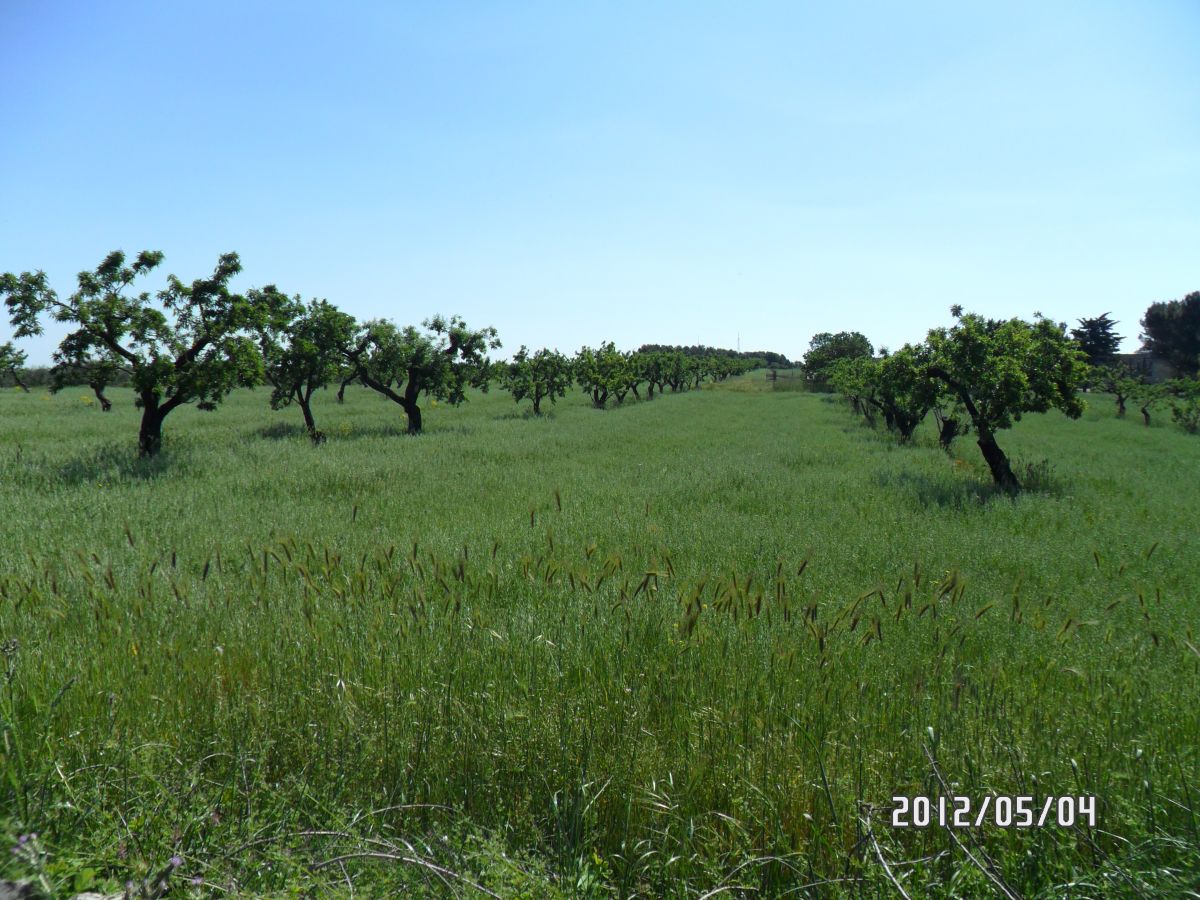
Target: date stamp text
pixel 997 811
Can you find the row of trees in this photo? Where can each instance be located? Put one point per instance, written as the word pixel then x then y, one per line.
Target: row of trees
pixel 605 373
pixel 1170 332
pixel 980 374
pixel 761 358
pixel 195 343
pixel 1182 395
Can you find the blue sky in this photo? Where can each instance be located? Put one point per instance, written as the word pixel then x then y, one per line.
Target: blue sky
pixel 640 172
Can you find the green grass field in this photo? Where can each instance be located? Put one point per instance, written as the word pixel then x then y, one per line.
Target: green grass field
pixel 684 646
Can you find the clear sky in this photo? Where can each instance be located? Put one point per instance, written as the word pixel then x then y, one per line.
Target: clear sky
pixel 645 172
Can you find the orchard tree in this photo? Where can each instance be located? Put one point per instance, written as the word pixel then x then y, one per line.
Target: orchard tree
pixel 76 361
pixel 630 376
pixel 825 349
pixel 1117 380
pixel 602 372
pixel 191 346
pixel 651 368
pixel 1098 339
pixel 904 390
pixel 1001 369
pixel 441 361
pixel 856 379
pixel 12 361
pixel 1172 331
pixel 1185 404
pixel 545 375
pixel 676 370
pixel 346 376
pixel 303 349
pixel 1147 396
pixel 898 386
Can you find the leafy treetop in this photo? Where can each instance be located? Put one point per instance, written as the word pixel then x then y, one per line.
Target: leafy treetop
pixel 1000 369
pixel 1098 339
pixel 188 344
pixel 825 349
pixel 441 361
pixel 1172 331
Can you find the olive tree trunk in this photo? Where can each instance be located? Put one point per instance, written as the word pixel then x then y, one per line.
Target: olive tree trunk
pixel 98 390
pixel 1002 472
pixel 407 401
pixel 150 432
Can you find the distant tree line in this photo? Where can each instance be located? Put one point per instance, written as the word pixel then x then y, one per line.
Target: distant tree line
pixel 762 358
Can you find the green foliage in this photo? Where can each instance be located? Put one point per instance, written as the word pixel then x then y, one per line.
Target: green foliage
pixel 77 361
pixel 545 375
pixel 898 386
pixel 675 370
pixel 1098 340
pixel 304 349
pixel 1117 380
pixel 188 345
pixel 1001 369
pixel 904 391
pixel 652 369
pixel 753 359
pixel 825 349
pixel 1171 331
pixel 1006 368
pixel 856 379
pixel 441 361
pixel 603 372
pixel 1185 404
pixel 1147 396
pixel 12 361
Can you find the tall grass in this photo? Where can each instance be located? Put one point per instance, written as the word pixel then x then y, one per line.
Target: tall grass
pixel 691 644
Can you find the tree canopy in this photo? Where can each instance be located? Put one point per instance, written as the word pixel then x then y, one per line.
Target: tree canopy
pixel 12 361
pixel 441 361
pixel 303 350
pixel 825 349
pixel 1171 331
pixel 1000 369
pixel 188 344
pixel 544 375
pixel 1098 339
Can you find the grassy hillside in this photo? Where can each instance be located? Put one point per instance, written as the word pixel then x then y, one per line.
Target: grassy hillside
pixel 687 644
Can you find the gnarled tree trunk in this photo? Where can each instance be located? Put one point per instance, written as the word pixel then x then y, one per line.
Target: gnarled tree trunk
pixel 407 401
pixel 304 401
pixel 948 430
pixel 1002 472
pixel 98 390
pixel 150 432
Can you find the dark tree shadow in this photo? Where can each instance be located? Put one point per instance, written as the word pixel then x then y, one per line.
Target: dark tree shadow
pixel 294 431
pixel 282 431
pixel 948 492
pixel 524 414
pixel 117 462
pixel 941 491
